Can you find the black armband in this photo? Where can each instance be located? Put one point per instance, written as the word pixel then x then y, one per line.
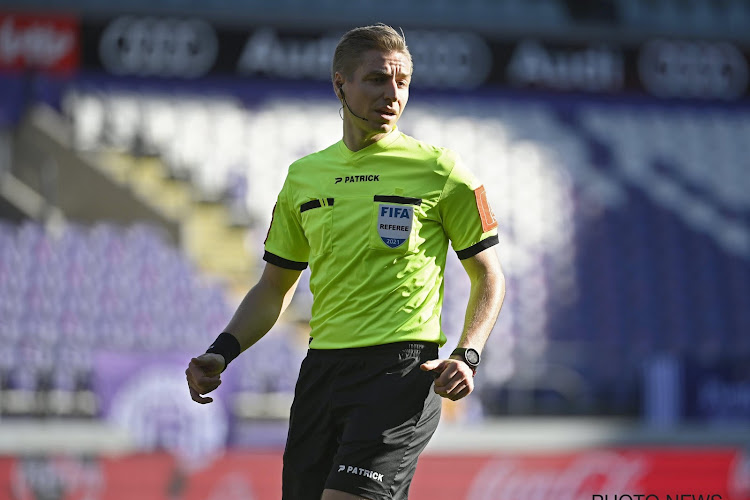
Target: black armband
pixel 227 345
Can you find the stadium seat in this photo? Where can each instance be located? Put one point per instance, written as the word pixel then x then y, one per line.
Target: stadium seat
pixel 619 221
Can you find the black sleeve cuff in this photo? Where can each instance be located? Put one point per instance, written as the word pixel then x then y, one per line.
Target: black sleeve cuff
pixel 475 249
pixel 282 262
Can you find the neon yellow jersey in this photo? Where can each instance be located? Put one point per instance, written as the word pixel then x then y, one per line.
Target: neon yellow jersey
pixel 374 226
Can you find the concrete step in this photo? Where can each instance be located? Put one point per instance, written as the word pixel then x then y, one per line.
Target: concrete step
pixel 207 234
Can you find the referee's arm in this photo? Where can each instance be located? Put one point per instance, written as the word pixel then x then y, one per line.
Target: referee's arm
pixel 454 379
pixel 263 304
pixel 485 299
pixel 255 316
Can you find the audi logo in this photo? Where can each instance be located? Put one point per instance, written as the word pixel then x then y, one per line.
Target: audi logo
pixel 441 59
pixel 449 59
pixel 697 69
pixel 185 48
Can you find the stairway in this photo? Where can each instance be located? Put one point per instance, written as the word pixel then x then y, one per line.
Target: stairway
pixel 206 233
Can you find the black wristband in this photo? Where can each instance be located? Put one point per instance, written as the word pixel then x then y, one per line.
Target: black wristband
pixel 227 345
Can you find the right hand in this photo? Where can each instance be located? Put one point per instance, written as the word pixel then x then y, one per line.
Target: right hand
pixel 204 375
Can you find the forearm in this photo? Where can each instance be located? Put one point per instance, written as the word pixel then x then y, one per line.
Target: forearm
pixel 257 313
pixel 454 379
pixel 255 316
pixel 485 301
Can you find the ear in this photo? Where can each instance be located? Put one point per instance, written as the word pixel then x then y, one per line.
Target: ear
pixel 338 82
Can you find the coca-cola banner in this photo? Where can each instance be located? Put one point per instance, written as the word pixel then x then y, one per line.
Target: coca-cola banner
pixel 607 474
pixel 43 42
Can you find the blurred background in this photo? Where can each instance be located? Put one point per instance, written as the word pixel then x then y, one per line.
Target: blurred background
pixel 142 145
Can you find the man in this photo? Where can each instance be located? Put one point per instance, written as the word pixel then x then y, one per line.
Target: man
pixel 372 215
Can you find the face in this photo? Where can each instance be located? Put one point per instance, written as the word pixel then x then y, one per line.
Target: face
pixel 378 91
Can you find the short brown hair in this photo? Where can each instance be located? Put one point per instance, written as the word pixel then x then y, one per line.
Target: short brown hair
pixel 359 40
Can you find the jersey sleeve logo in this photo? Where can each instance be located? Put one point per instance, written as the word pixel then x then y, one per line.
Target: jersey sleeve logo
pixel 485 212
pixel 394 224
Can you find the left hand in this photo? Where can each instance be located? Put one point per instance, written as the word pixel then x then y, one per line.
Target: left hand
pixel 453 378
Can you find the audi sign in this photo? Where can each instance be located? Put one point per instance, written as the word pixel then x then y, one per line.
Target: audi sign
pixel 693 69
pixel 167 47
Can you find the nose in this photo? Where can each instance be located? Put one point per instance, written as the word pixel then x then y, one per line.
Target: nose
pixel 391 91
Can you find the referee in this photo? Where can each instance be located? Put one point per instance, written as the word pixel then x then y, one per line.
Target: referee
pixel 372 215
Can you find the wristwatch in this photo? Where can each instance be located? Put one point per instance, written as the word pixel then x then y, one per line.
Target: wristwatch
pixel 469 356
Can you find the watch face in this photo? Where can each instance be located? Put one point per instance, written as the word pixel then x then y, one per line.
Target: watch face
pixel 472 356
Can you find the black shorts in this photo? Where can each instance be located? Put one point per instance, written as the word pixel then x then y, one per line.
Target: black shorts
pixel 359 421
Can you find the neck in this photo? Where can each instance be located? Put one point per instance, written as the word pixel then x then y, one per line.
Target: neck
pixel 355 138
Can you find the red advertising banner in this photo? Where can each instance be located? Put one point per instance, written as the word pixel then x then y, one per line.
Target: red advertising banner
pixel 638 474
pixel 622 474
pixel 43 42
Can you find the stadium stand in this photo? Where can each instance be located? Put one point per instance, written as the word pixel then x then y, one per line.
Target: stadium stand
pixel 65 297
pixel 134 204
pixel 605 209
